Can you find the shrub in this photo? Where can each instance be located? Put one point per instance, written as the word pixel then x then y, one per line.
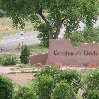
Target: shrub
pixel 49 70
pixel 2 13
pixel 76 37
pixel 44 86
pixel 91 94
pixel 63 91
pixel 6 88
pixel 25 93
pixel 43 35
pixel 91 86
pixel 25 53
pixel 72 77
pixel 92 80
pixel 9 60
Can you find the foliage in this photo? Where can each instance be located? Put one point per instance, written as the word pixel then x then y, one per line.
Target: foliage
pixel 44 86
pixel 92 85
pixel 43 35
pixel 91 94
pixel 49 70
pixel 7 29
pixel 97 32
pixel 25 93
pixel 2 13
pixel 76 37
pixel 35 49
pixel 72 77
pixel 63 91
pixel 52 13
pixel 8 59
pixel 25 53
pixel 90 12
pixel 6 88
pixel 92 80
pixel 88 35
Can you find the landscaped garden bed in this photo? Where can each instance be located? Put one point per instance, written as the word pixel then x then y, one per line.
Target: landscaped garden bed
pixel 52 80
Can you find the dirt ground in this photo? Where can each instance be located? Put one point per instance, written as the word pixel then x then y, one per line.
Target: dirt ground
pixel 20 78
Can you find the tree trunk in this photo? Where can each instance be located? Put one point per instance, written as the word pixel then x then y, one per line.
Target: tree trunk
pixel 50 32
pixel 47 24
pixel 57 32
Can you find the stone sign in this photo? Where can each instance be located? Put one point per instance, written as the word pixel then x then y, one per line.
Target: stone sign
pixel 63 52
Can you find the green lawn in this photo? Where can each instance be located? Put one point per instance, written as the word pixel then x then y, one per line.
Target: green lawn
pixel 35 49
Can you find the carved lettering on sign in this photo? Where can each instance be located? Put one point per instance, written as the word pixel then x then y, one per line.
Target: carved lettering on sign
pixel 67 53
pixel 56 52
pixel 62 51
pixel 90 53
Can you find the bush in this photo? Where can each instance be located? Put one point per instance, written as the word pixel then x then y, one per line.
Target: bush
pixel 76 37
pixel 63 91
pixel 2 13
pixel 72 77
pixel 91 94
pixel 49 70
pixel 92 80
pixel 6 88
pixel 91 86
pixel 44 86
pixel 43 35
pixel 25 53
pixel 25 93
pixel 8 60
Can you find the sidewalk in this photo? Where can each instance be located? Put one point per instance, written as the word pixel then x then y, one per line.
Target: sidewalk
pixel 76 68
pixel 5 69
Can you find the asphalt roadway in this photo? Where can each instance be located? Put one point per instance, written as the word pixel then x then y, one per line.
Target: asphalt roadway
pixel 10 42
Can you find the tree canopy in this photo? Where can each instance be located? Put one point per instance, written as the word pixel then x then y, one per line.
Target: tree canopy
pixel 53 13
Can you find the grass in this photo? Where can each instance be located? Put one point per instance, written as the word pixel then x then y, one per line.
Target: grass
pixel 37 49
pixel 34 49
pixel 6 27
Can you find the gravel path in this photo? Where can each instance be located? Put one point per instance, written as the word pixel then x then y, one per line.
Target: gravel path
pixel 18 78
pixel 21 78
pixel 24 78
pixel 4 69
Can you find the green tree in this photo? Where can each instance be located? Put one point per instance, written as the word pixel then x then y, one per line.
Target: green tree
pixel 25 53
pixel 2 13
pixel 43 35
pixel 54 13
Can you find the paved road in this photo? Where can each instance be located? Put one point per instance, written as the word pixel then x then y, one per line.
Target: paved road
pixel 9 43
